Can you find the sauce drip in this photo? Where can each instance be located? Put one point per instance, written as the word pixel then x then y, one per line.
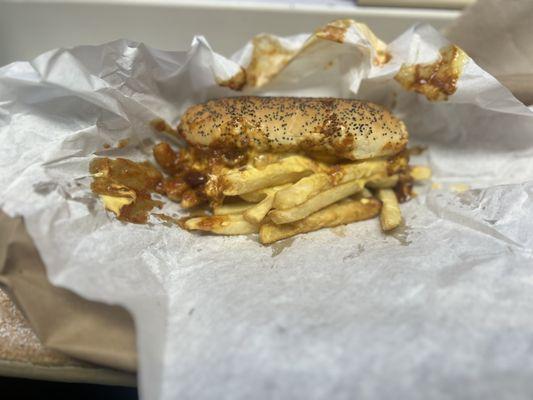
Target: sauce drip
pixel 269 57
pixel 125 187
pixel 236 82
pixel 404 188
pixel 437 80
pixel 188 171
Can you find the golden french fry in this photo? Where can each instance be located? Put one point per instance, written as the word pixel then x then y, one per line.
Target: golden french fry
pixel 257 213
pixel 365 193
pixel 343 212
pixel 321 200
pixel 385 182
pixel 231 208
pixel 258 195
pixel 231 224
pixel 311 185
pixel 289 169
pixel 254 197
pixel 420 173
pixel 302 190
pixel 391 216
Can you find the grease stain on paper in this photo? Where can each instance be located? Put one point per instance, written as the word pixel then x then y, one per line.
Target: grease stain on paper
pixel 88 201
pixel 44 188
pixel 358 252
pixel 339 231
pixel 278 247
pixel 401 234
pixel 236 82
pixel 167 220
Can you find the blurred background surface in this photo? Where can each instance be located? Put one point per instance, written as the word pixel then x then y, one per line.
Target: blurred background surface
pixel 28 28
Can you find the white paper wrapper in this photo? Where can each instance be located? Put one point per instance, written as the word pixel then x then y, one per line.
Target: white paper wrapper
pixel 440 309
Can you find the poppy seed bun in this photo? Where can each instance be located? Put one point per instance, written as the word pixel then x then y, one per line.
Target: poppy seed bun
pixel 350 129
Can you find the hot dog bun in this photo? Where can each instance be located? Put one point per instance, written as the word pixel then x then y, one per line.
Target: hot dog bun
pixel 349 129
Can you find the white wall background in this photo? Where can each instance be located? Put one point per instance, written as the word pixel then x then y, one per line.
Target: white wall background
pixel 28 28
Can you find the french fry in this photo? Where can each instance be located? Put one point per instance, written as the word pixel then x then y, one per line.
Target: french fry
pixel 257 213
pixel 366 193
pixel 231 224
pixel 385 182
pixel 302 190
pixel 391 216
pixel 231 208
pixel 321 200
pixel 289 169
pixel 420 173
pixel 343 212
pixel 255 196
pixel 311 185
pixel 258 195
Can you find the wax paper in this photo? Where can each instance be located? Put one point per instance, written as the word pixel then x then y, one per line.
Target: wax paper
pixel 439 309
pixel 497 34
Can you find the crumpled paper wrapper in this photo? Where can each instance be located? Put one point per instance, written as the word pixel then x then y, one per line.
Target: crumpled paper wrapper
pixel 439 309
pixel 497 34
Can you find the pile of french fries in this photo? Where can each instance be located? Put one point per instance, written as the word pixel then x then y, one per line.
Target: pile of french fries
pixel 298 194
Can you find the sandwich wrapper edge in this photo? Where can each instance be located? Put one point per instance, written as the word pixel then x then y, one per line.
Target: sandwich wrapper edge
pixel 408 313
